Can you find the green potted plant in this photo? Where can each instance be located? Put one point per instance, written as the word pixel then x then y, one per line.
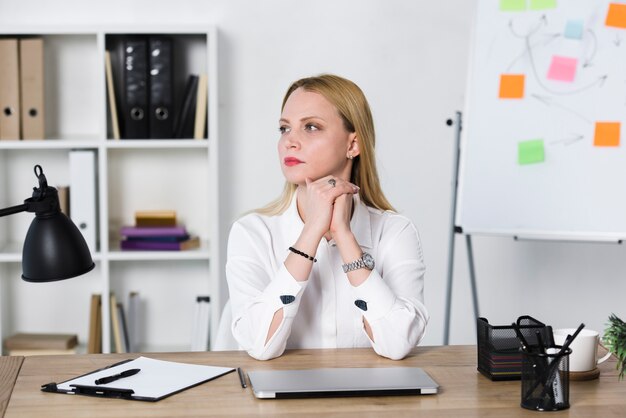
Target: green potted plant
pixel 615 340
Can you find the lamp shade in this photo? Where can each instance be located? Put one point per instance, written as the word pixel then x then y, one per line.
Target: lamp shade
pixel 54 249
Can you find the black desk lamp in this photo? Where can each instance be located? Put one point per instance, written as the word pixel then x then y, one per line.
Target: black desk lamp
pixel 54 248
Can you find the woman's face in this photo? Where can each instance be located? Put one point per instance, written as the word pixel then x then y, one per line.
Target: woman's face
pixel 314 142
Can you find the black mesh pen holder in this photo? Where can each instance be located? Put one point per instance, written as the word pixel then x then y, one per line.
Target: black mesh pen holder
pixel 499 355
pixel 545 379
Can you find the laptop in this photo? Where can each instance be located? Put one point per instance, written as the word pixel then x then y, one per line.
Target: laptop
pixel 315 383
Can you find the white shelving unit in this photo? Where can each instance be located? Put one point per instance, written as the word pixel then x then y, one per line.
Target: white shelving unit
pixel 178 174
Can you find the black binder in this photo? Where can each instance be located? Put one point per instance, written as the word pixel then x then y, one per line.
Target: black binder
pixel 161 100
pixel 135 102
pixel 184 125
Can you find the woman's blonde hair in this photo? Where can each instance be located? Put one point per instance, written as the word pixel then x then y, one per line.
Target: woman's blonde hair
pixel 355 112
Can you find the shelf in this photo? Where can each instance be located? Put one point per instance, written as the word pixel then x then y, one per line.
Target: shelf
pixel 115 254
pixel 142 174
pixel 156 143
pixel 12 253
pixel 38 144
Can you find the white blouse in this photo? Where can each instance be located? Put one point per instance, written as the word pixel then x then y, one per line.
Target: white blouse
pixel 324 314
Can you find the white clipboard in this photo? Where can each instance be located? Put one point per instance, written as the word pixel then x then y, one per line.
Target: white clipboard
pixel 156 380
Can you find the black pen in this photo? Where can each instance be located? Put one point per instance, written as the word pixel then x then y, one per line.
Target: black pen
pixel 242 379
pixel 109 379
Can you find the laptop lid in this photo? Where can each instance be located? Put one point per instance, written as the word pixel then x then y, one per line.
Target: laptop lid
pixel 333 382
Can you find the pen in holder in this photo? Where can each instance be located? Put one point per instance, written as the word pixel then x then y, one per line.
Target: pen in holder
pixel 545 379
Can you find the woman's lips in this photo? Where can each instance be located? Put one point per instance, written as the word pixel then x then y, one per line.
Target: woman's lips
pixel 291 161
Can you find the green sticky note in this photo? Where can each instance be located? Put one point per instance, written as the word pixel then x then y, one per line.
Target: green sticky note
pixel 530 152
pixel 512 5
pixel 542 4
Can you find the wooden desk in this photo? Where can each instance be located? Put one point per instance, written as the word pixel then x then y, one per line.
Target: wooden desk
pixel 9 369
pixel 464 392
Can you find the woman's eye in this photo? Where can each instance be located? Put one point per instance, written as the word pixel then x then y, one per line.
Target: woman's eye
pixel 283 129
pixel 311 127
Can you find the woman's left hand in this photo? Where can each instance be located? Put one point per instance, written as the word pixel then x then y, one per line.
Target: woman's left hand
pixel 342 211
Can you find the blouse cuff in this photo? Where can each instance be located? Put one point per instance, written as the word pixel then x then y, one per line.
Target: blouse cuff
pixel 284 292
pixel 373 297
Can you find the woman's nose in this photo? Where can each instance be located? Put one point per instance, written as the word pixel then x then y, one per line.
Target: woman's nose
pixel 291 140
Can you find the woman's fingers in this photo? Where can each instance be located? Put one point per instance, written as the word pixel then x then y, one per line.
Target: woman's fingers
pixel 335 186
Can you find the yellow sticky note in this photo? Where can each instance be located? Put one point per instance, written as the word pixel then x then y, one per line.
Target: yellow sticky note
pixel 512 86
pixel 607 134
pixel 616 16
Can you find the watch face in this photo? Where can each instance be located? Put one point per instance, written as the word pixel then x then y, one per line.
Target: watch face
pixel 368 260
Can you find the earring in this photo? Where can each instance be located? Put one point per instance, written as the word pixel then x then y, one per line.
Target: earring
pixel 350 156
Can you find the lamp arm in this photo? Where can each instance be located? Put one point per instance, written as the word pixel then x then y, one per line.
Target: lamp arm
pixel 14 209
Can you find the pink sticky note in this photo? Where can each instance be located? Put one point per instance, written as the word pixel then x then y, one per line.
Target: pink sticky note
pixel 562 68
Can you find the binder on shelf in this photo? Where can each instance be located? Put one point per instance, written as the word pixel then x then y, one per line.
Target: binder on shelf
pixel 118 343
pixel 184 125
pixel 31 82
pixel 134 305
pixel 161 86
pixel 201 105
pixel 94 342
pixel 83 194
pixel 201 324
pixel 115 125
pixel 64 199
pixel 9 89
pixel 156 380
pixel 121 317
pixel 135 88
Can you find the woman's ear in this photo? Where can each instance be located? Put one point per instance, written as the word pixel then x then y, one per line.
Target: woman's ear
pixel 353 149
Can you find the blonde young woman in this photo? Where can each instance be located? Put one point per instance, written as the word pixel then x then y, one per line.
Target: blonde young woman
pixel 329 263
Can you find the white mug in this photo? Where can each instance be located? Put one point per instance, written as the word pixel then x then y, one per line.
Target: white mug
pixel 584 355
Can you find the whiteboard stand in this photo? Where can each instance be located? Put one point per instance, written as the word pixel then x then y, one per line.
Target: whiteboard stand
pixel 457 230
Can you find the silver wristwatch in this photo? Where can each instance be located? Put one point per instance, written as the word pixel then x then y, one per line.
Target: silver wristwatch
pixel 365 262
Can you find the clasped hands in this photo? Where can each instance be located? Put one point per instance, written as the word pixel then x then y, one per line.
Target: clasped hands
pixel 328 206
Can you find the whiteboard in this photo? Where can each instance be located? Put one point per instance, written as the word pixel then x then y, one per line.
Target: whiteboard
pixel 543 145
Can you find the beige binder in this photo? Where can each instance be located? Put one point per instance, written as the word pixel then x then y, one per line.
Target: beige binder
pixel 111 94
pixel 31 81
pixel 201 105
pixel 9 90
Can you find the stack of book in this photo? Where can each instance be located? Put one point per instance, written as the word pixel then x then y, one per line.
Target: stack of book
pixel 157 231
pixel 24 344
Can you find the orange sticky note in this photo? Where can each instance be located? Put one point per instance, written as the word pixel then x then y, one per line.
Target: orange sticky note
pixel 512 86
pixel 607 134
pixel 616 16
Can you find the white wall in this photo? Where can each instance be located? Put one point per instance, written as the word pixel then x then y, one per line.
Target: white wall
pixel 410 58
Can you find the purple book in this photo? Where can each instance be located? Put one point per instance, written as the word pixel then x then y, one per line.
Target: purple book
pixel 160 245
pixel 136 231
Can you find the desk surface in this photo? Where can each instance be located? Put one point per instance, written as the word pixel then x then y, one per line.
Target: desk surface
pixel 9 369
pixel 464 392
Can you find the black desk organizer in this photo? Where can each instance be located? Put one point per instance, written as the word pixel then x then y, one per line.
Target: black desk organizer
pixel 499 354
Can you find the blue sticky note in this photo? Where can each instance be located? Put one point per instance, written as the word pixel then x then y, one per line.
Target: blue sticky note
pixel 574 29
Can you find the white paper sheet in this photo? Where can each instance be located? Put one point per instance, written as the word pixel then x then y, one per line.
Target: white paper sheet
pixel 157 378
